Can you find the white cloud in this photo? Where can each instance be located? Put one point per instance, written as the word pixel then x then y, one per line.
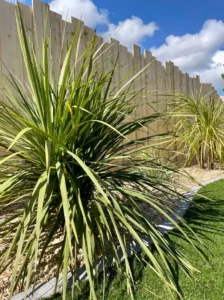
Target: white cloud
pixel 128 32
pixel 81 9
pixel 213 73
pixel 197 53
pixel 131 31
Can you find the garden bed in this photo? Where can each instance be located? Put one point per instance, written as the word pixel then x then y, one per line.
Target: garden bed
pixel 49 269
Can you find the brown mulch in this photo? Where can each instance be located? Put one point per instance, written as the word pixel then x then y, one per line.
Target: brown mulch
pixel 199 175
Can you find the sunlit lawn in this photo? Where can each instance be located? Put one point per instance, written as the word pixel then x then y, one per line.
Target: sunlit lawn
pixel 208 285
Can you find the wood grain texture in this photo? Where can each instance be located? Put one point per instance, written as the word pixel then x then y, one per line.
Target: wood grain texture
pixel 153 82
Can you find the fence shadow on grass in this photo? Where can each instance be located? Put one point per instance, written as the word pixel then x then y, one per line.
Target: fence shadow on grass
pixel 205 217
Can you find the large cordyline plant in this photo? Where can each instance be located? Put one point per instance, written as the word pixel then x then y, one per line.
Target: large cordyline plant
pixel 70 170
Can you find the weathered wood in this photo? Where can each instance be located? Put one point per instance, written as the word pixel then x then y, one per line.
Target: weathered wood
pixel 148 61
pixel 143 93
pixel 153 93
pixel 198 85
pixel 188 86
pixel 161 98
pixel 41 24
pixel 184 83
pixel 56 44
pixel 194 86
pixel 154 81
pixel 137 83
pixel 169 67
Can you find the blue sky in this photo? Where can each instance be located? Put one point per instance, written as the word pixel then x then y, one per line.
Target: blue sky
pixel 188 32
pixel 172 16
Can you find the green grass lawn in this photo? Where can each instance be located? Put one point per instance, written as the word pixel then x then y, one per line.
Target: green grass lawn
pixel 208 285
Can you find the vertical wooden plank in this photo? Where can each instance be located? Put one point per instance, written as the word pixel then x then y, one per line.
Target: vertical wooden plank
pixel 169 67
pixel 187 86
pixel 63 35
pixel 149 82
pixel 114 56
pixel 68 31
pixel 194 86
pixel 184 83
pixel 211 91
pixel 88 39
pixel 88 33
pixel 98 59
pixel 7 43
pixel 105 56
pixel 145 86
pixel 176 80
pixel 153 93
pixel 143 93
pixel 41 16
pixel 137 82
pixel 198 85
pixel 180 81
pixel 180 157
pixel 130 61
pixel 161 85
pixel 163 99
pixel 124 65
pixel 176 91
pixel 123 59
pixel 56 40
pixel 10 49
pixel 27 15
pixel 190 86
pixel 203 89
pixel 148 60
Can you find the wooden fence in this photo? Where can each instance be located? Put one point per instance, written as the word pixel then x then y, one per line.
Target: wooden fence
pixel 157 79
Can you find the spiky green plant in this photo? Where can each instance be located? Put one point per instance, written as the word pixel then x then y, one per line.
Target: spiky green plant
pixel 159 167
pixel 68 170
pixel 199 128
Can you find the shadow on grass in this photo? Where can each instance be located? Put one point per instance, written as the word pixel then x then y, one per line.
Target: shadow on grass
pixel 204 216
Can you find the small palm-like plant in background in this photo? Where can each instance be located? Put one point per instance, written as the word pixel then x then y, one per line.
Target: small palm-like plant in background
pixel 199 128
pixel 159 168
pixel 70 171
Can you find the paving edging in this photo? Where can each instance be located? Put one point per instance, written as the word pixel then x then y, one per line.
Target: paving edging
pixel 46 289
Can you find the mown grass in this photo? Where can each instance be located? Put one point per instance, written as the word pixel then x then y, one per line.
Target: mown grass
pixel 207 219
